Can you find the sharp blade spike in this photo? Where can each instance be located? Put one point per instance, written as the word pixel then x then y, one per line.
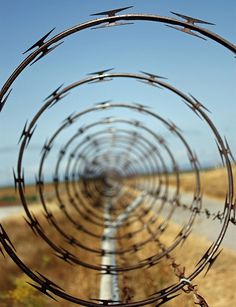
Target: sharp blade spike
pixel 141 106
pixel 104 104
pixel 39 182
pixel 229 150
pixel 4 100
pixel 198 104
pixel 187 31
pixel 212 261
pixel 112 24
pixel 193 108
pixel 23 132
pixel 57 99
pixel 206 255
pixel 26 133
pixel 40 42
pixel 111 13
pixel 49 282
pixel 192 20
pixel 100 72
pixel 30 224
pixel 46 147
pixel 151 83
pixel 31 134
pixel 54 93
pixel 152 76
pixel 42 290
pixel 17 181
pixel 45 52
pixel 6 238
pixel 70 119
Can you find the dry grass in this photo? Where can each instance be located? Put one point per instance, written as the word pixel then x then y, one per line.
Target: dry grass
pixel 217 287
pixel 8 195
pixel 36 254
pixel 213 182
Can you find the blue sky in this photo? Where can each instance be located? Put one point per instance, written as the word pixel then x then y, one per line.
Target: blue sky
pixel 204 69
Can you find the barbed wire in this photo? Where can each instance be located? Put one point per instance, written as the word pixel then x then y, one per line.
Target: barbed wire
pixel 120 159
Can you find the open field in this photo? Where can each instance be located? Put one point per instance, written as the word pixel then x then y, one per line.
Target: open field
pixel 9 197
pixel 85 283
pixel 37 255
pixel 213 182
pixel 217 287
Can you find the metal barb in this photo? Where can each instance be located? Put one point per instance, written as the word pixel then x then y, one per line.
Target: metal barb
pixel 5 237
pixel 4 100
pixel 141 107
pixel 43 290
pixel 212 260
pixel 206 255
pixel 150 82
pixel 112 24
pixel 39 183
pixel 192 20
pixel 70 119
pixel 48 282
pixel 100 72
pixel 64 255
pixel 40 42
pixel 187 31
pixel 104 104
pixel 54 93
pixel 19 180
pixel 229 151
pixel 27 134
pixel 45 52
pixel 172 127
pixel 49 217
pixel 153 76
pixel 111 13
pixel 46 148
pixel 198 105
pixel 33 224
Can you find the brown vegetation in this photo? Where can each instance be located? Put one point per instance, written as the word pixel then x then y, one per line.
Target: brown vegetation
pixel 213 182
pixel 217 287
pixel 37 255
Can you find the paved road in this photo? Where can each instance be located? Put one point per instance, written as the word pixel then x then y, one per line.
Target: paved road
pixel 208 228
pixel 6 212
